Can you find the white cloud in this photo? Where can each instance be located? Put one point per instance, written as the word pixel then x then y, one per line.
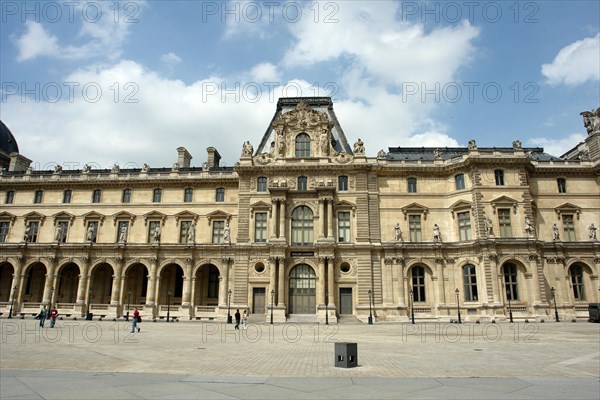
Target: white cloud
pixel 557 147
pixel 265 72
pixel 35 42
pixel 575 64
pixel 105 37
pixel 170 58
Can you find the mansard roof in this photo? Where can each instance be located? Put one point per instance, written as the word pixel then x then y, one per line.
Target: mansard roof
pixel 321 104
pixel 445 153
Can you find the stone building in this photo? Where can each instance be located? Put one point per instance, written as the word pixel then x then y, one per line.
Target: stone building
pixel 306 224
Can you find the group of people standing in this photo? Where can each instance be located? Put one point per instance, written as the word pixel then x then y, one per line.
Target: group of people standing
pixel 244 319
pixel 43 315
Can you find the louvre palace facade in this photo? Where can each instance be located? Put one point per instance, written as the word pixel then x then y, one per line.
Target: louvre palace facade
pixel 306 224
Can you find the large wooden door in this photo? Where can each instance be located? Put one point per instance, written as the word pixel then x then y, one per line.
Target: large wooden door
pixel 303 285
pixel 258 300
pixel 345 301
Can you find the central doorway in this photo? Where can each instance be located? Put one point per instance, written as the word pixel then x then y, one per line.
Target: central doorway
pixel 303 285
pixel 346 301
pixel 258 301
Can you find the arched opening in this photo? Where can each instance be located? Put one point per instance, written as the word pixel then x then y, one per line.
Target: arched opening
pixel 136 286
pixel 68 281
pixel 101 284
pixel 6 277
pixel 206 292
pixel 302 293
pixel 171 285
pixel 35 279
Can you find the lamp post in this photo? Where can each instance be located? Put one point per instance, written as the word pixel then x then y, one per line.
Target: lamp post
pixel 326 307
pixel 229 321
pixel 555 309
pixel 128 302
pixel 88 304
pixel 412 306
pixel 370 309
pixel 168 304
pixel 272 301
pixel 12 301
pixel 509 295
pixel 458 304
pixel 51 299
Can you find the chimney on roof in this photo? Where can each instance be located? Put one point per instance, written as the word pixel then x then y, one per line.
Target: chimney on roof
pixel 213 157
pixel 183 157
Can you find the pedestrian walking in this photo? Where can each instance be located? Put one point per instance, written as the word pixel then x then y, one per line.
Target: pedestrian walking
pixel 53 315
pixel 135 320
pixel 245 319
pixel 42 316
pixel 237 319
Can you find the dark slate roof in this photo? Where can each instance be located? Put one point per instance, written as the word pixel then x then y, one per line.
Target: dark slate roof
pixel 428 153
pixel 322 104
pixel 8 143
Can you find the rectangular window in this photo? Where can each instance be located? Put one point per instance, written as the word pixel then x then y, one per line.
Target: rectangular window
pixel 122 231
pixel 342 183
pixel 414 227
pixel 188 195
pixel 126 196
pixel 470 281
pixel 67 194
pixel 220 195
pixel 156 195
pixel 562 185
pixel 61 231
pixel 39 194
pixel 10 197
pixel 412 185
pixel 569 226
pixel 152 226
pixel 217 234
pixel 302 183
pixel 4 231
pixel 96 196
pixel 510 282
pixel 260 227
pixel 459 180
pixel 504 222
pixel 344 227
pixel 32 233
pixel 92 231
pixel 464 225
pixel 261 184
pixel 183 231
pixel 499 176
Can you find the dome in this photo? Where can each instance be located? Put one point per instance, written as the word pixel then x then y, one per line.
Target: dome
pixel 8 143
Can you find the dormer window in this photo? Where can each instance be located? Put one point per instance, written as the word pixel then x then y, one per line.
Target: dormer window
pixel 302 146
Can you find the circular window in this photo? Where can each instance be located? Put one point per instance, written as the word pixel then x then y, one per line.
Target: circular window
pixel 345 268
pixel 260 267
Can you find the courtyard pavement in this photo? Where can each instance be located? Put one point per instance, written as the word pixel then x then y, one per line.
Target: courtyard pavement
pixel 209 360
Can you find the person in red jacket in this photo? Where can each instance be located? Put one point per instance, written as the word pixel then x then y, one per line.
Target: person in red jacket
pixel 135 320
pixel 53 315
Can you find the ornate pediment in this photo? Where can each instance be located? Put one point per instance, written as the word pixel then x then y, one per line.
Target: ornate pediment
pixel 93 215
pixel 460 205
pixel 415 208
pixel 504 201
pixel 218 215
pixel 155 215
pixel 567 208
pixel 186 215
pixel 123 215
pixel 63 216
pixel 8 216
pixel 35 216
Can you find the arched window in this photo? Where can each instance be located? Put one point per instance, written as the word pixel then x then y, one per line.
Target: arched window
pixel 510 281
pixel 302 226
pixel 302 146
pixel 470 280
pixel 418 284
pixel 577 282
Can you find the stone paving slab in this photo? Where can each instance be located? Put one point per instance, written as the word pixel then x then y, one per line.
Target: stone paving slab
pixel 89 360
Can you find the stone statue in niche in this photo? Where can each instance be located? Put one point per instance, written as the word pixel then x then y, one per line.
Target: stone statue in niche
pixel 555 233
pixel 397 233
pixel 247 149
pixel 437 236
pixel 529 228
pixel 227 234
pixel 191 234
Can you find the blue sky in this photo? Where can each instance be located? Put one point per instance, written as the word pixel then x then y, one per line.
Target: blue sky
pixel 130 81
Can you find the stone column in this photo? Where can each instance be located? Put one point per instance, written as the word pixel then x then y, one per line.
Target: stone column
pixel 273 233
pixel 83 278
pixel 187 281
pixel 272 277
pixel 330 282
pixel 322 224
pixel 329 232
pixel 224 282
pixel 48 285
pixel 116 285
pixel 400 283
pixel 386 280
pixel 151 297
pixel 15 296
pixel 321 283
pixel 281 284
pixel 282 215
